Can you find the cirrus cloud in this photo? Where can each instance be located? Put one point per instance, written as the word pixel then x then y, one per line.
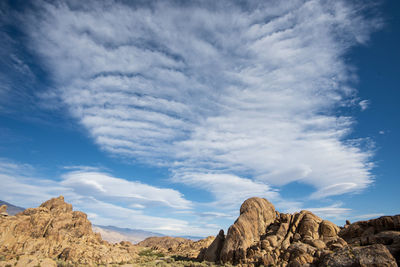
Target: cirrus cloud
pixel 217 88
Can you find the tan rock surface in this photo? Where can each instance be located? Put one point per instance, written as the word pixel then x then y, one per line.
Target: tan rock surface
pixel 384 230
pixel 54 231
pixel 29 261
pixel 255 215
pixel 3 208
pixel 368 256
pixel 213 252
pixel 262 236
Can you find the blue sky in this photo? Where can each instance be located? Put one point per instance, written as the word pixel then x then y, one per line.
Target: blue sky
pixel 166 116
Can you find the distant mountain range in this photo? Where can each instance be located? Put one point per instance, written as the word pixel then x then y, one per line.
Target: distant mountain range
pixel 11 209
pixel 115 234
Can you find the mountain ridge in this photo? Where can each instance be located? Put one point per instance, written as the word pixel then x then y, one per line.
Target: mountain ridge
pixel 114 234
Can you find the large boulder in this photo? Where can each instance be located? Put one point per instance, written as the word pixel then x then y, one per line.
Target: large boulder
pixel 213 252
pixel 54 230
pixel 255 215
pixel 3 210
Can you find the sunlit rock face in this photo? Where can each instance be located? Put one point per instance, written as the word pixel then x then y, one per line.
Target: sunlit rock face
pixel 55 231
pixel 263 236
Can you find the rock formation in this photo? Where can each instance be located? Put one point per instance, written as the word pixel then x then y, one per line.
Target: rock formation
pixel 213 252
pixel 255 215
pixel 384 230
pixel 54 231
pixel 263 236
pixel 3 210
pixel 374 255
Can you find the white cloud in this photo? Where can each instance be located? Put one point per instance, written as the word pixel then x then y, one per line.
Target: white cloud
pixel 107 200
pixel 229 191
pixel 364 104
pixel 337 189
pixel 104 186
pixel 213 93
pixel 367 216
pixel 334 211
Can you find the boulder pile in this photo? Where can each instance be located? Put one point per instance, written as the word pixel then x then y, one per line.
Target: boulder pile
pixel 261 236
pixel 56 232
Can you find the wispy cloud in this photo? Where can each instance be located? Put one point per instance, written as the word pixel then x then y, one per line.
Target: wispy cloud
pixel 364 104
pixel 367 216
pixel 107 200
pixel 236 95
pixel 335 211
pixel 228 190
pixel 103 186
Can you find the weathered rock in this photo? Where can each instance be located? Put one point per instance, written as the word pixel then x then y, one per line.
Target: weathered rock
pixel 212 253
pixel 29 261
pixel 3 208
pixel 53 230
pixel 255 215
pixel 353 232
pixel 384 230
pixel 369 256
pixel 163 242
pixel 261 236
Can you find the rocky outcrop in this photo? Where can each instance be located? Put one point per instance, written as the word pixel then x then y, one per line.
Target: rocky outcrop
pixel 255 215
pixel 263 237
pixel 374 255
pixel 177 245
pixel 384 230
pixel 55 231
pixel 3 210
pixel 163 242
pixel 213 252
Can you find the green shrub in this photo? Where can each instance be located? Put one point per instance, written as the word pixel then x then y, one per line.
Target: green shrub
pixel 151 253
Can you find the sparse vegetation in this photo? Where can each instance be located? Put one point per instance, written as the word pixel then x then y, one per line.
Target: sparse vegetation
pixel 62 263
pixel 181 263
pixel 151 253
pixel 154 258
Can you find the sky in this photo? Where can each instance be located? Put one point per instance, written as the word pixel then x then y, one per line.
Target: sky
pixel 166 115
